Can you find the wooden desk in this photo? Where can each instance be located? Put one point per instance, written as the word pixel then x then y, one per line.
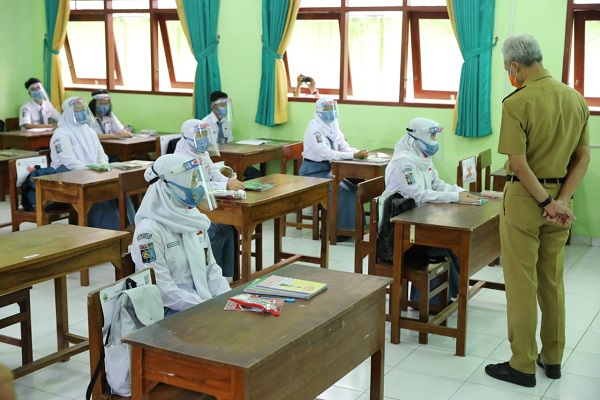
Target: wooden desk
pixel 5 156
pixel 51 252
pixel 342 169
pixel 291 193
pixel 472 232
pixel 241 156
pixel 499 180
pixel 245 355
pixel 127 148
pixel 25 140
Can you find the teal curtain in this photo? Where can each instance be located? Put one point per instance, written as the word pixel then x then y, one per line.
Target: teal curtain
pixel 51 17
pixel 474 29
pixel 202 18
pixel 274 17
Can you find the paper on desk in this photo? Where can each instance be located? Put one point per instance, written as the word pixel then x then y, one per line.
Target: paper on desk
pixel 38 129
pixel 253 142
pixel 477 203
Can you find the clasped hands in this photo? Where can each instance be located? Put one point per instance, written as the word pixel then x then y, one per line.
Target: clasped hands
pixel 557 212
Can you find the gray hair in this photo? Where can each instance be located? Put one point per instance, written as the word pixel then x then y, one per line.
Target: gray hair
pixel 522 49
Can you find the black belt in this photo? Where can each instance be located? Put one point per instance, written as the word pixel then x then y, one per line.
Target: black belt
pixel 324 161
pixel 543 181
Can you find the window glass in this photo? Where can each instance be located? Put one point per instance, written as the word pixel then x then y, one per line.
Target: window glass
pixel 130 4
pixel 132 39
pixel 87 5
pixel 166 4
pixel 427 3
pixel 184 63
pixel 592 59
pixel 320 3
pixel 374 43
pixel 586 2
pixel 314 50
pixel 374 3
pixel 86 40
pixel 439 53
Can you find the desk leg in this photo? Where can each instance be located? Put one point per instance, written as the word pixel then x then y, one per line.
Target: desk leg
pixel 62 313
pixel 377 375
pixel 463 296
pixel 279 230
pixel 137 375
pixel 41 217
pixel 247 252
pixel 82 211
pixel 258 247
pixel 323 208
pixel 396 291
pixel 334 203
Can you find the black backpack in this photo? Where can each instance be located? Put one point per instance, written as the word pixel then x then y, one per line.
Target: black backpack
pixel 28 187
pixel 395 204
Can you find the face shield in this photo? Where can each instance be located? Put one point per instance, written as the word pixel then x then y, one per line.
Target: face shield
pixel 81 112
pixel 223 108
pixel 102 103
pixel 189 184
pixel 202 138
pixel 327 111
pixel 38 93
pixel 426 138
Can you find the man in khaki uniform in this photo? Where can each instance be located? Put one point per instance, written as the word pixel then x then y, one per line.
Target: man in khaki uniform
pixel 545 134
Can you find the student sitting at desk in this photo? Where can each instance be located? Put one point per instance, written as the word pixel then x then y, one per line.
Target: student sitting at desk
pixel 171 234
pixel 197 139
pixel 108 125
pixel 73 145
pixel 324 142
pixel 412 174
pixel 220 122
pixel 37 112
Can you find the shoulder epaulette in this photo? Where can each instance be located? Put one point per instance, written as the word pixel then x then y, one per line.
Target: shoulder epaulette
pixel 515 91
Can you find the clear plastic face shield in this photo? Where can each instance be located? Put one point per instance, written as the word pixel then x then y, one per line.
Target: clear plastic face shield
pixel 102 104
pixel 194 187
pixel 81 112
pixel 203 139
pixel 38 93
pixel 328 111
pixel 222 107
pixel 426 138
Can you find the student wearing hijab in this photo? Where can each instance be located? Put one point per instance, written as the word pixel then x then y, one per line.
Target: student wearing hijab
pixel 324 142
pixel 171 234
pixel 412 174
pixel 197 142
pixel 37 112
pixel 108 125
pixel 73 145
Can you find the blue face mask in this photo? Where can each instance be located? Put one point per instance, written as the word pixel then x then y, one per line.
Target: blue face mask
pixel 37 95
pixel 327 116
pixel 102 110
pixel 427 148
pixel 81 116
pixel 192 196
pixel 222 112
pixel 202 144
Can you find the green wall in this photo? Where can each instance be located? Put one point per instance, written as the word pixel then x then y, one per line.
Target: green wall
pixel 240 58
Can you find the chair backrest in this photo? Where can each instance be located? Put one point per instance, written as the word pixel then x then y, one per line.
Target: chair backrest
pixel 18 170
pixel 131 183
pixel 162 143
pixel 11 124
pixel 467 169
pixel 97 325
pixel 366 191
pixel 484 163
pixel 292 152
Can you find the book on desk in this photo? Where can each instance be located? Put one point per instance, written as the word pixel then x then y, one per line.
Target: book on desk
pixel 275 285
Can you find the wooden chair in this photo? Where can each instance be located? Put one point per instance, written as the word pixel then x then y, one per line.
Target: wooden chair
pixel 11 124
pixel 366 191
pixel 293 153
pixel 484 170
pixel 131 184
pixel 16 176
pixel 162 142
pixel 95 324
pixel 22 299
pixel 419 272
pixel 459 174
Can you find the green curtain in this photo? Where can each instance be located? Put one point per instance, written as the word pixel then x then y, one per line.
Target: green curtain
pixel 57 17
pixel 199 19
pixel 473 23
pixel 274 21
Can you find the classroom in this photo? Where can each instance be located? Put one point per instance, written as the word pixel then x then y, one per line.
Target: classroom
pixel 371 118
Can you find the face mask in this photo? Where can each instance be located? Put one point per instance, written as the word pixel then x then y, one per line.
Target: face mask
pixel 202 144
pixel 81 116
pixel 327 116
pixel 513 80
pixel 192 196
pixel 427 148
pixel 37 95
pixel 102 110
pixel 222 112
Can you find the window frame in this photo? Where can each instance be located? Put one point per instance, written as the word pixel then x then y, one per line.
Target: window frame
pixel 410 15
pixel 114 77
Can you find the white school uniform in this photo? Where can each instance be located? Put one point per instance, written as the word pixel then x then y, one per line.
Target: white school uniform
pixel 213 121
pixel 34 113
pixel 108 125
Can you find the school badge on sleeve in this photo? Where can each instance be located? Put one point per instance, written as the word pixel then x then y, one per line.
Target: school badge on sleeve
pixel 147 252
pixel 319 137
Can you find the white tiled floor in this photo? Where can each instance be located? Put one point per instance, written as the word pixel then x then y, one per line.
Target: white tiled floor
pixel 412 371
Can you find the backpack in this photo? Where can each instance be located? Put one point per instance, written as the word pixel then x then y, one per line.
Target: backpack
pixel 134 308
pixel 394 204
pixel 28 187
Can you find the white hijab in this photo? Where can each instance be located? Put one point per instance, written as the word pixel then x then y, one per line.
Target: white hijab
pixel 407 148
pixel 161 206
pixel 186 147
pixel 331 130
pixel 85 139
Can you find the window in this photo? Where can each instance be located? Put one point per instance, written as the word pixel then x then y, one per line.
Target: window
pixel 582 49
pixel 376 51
pixel 127 45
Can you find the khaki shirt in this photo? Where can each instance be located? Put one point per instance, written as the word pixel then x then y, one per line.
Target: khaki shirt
pixel 545 120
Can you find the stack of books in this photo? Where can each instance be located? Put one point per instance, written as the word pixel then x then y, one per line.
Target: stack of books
pixel 275 285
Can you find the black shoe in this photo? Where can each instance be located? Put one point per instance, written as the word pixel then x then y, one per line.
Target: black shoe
pixel 552 371
pixel 342 238
pixel 505 372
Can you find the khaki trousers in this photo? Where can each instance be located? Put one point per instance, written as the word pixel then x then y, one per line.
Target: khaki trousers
pixel 533 263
